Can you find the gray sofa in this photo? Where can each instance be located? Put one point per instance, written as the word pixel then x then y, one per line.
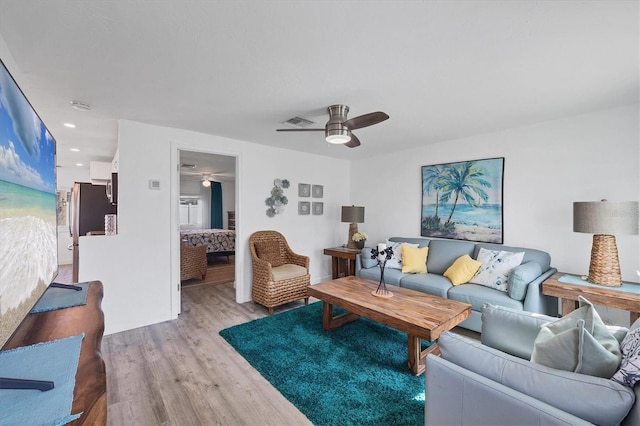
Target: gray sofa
pixel 536 266
pixel 493 381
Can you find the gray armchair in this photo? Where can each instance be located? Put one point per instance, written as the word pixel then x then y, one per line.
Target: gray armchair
pixel 493 381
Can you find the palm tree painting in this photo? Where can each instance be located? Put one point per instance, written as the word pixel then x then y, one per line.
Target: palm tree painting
pixel 463 200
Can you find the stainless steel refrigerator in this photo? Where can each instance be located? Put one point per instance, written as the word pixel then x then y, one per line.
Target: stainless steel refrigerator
pixel 89 204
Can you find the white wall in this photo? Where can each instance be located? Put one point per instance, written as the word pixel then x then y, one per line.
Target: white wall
pixel 135 265
pixel 548 166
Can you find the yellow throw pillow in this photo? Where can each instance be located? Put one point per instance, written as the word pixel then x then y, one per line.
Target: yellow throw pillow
pixel 414 260
pixel 462 270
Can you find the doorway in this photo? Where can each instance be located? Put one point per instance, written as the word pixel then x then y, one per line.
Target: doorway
pixel 207 213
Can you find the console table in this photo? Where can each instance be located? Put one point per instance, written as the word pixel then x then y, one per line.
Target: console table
pixel 90 392
pixel 342 253
pixel 626 297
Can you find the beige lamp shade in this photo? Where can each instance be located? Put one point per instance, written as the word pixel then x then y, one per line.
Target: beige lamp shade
pixel 603 219
pixel 353 215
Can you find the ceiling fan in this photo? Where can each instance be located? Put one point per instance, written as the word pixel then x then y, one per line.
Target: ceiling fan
pixel 339 129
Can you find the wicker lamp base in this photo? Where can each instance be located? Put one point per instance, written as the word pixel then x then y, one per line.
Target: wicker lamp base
pixel 604 267
pixel 353 228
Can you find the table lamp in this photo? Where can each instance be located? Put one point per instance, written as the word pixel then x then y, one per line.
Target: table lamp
pixel 603 219
pixel 353 215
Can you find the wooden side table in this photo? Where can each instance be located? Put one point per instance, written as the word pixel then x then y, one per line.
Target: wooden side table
pixel 626 297
pixel 338 253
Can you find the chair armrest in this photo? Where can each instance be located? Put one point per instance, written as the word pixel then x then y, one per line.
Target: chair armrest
pixel 298 259
pixel 261 265
pixel 535 301
pixel 456 396
pixel 571 392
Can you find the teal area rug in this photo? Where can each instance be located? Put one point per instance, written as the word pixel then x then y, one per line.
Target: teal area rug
pixel 354 375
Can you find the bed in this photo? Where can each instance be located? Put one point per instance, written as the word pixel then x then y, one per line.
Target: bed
pixel 219 242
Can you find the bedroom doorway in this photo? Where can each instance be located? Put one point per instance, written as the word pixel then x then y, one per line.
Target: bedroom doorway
pixel 207 217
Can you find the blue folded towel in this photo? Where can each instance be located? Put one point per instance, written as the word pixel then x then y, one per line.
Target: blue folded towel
pixel 59 298
pixel 56 361
pixel 626 287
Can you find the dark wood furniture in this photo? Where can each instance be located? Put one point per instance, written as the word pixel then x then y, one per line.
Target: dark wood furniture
pixel 90 393
pixel 420 315
pixel 626 297
pixel 342 253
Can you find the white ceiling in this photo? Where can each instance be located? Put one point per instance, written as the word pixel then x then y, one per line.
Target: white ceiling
pixel 440 69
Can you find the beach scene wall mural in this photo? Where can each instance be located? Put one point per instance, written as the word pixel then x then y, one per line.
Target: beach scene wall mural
pixel 463 200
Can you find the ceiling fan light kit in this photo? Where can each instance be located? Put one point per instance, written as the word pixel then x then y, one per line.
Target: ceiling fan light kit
pixel 338 129
pixel 206 183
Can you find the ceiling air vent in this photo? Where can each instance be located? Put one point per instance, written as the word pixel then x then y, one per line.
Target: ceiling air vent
pixel 299 122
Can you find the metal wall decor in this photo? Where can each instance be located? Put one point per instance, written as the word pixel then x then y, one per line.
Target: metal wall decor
pixel 277 200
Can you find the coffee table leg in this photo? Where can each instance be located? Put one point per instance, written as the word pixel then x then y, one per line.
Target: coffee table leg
pixel 329 322
pixel 417 357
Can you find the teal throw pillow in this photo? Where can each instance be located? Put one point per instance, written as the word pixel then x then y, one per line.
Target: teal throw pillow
pixel 520 278
pixel 579 342
pixel 365 258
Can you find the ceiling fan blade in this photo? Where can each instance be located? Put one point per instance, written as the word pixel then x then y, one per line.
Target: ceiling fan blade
pixel 354 142
pixel 299 130
pixel 366 120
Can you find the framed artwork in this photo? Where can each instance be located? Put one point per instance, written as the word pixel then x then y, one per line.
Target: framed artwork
pixel 317 190
pixel 304 207
pixel 304 190
pixel 318 208
pixel 463 201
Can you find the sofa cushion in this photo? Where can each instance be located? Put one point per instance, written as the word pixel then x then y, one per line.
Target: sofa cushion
pixel 288 271
pixel 433 284
pixel 578 342
pixel 513 331
pixel 496 268
pixel 520 278
pixel 443 253
pixel 391 276
pixel 629 372
pixel 477 295
pixel 414 259
pixel 365 258
pixel 581 395
pixel 269 250
pixel 462 270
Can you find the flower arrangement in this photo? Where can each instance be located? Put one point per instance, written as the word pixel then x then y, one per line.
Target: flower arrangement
pixel 359 236
pixel 382 253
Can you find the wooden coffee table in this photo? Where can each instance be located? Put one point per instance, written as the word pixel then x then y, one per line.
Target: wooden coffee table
pixel 418 314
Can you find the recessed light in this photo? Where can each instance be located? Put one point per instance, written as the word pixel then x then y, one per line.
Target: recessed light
pixel 70 125
pixel 74 149
pixel 82 106
pixel 79 164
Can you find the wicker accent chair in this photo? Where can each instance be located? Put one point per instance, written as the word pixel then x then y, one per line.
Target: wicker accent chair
pixel 193 262
pixel 279 275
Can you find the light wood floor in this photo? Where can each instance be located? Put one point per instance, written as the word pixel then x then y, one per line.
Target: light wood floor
pixel 183 373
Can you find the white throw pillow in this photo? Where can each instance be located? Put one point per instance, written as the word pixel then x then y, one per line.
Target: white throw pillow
pixel 629 371
pixel 396 260
pixel 496 267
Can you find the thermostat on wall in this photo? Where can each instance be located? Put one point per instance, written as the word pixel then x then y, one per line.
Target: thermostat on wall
pixel 154 184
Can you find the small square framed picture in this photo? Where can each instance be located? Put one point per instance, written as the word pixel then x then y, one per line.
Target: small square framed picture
pixel 318 208
pixel 304 190
pixel 317 191
pixel 304 207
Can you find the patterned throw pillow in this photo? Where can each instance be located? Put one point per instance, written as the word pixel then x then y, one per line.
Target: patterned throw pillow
pixel 629 372
pixel 396 260
pixel 496 267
